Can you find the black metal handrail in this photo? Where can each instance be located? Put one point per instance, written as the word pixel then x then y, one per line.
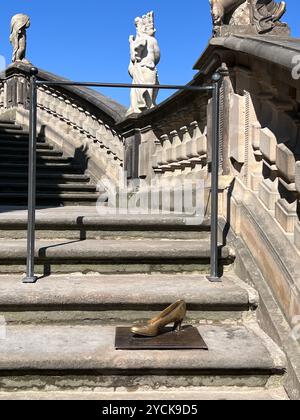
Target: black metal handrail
pixel 214 88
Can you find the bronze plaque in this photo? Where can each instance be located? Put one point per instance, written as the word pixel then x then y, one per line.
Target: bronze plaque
pixel 188 338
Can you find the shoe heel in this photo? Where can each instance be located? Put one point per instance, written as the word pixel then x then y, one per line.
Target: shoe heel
pixel 178 326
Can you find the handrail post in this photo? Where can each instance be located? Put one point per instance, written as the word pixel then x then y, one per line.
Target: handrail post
pixel 215 144
pixel 30 275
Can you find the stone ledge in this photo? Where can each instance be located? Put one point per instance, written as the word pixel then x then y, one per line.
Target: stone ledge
pixel 110 250
pixel 240 350
pixel 121 292
pixel 193 394
pixel 82 216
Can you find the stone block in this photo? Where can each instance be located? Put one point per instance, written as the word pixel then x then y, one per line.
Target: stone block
pixel 297 236
pixel 268 193
pixel 295 304
pixel 297 176
pixel 286 214
pixel 268 144
pixel 202 145
pixel 255 180
pixel 237 128
pixel 286 162
pixel 255 135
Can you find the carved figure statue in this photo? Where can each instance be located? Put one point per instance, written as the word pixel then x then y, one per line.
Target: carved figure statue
pixel 18 38
pixel 264 15
pixel 144 57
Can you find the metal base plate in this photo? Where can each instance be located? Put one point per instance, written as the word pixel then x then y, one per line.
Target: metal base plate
pixel 188 338
pixel 30 280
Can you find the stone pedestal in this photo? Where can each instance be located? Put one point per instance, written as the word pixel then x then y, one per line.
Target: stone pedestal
pixel 268 193
pixel 286 214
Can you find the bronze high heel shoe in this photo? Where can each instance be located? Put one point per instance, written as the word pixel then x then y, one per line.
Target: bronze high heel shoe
pixel 173 314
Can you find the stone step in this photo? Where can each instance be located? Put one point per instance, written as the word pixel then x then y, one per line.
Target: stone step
pixel 71 357
pixel 8 167
pixel 189 394
pixel 6 123
pixel 17 144
pixel 116 299
pixel 47 187
pixel 13 134
pixel 52 177
pixel 50 199
pixel 111 256
pixel 81 223
pixel 23 152
pixel 4 128
pixel 17 159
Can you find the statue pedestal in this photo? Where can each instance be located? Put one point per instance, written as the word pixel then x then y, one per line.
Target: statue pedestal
pixel 280 29
pixel 188 338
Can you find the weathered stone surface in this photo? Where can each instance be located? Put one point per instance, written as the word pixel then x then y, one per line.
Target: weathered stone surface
pixel 244 16
pixel 286 162
pixel 191 394
pixel 123 291
pixel 286 214
pixel 144 57
pixel 237 128
pixel 84 222
pixel 258 228
pixel 237 349
pixel 19 24
pixel 268 145
pixel 268 193
pixel 297 176
pixel 271 316
pixel 110 250
pixel 297 235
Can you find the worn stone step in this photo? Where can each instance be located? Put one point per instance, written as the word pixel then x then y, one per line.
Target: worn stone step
pixel 6 123
pixel 189 394
pixel 51 187
pixel 13 134
pixel 80 222
pixel 8 167
pixel 15 159
pixel 122 298
pixel 54 198
pixel 16 144
pixel 4 128
pixel 52 177
pixel 23 152
pixel 70 357
pixel 107 256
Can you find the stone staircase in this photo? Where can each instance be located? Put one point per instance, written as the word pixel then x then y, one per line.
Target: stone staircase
pixel 60 180
pixel 99 272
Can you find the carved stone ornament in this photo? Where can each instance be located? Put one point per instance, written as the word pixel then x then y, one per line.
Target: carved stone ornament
pixel 248 17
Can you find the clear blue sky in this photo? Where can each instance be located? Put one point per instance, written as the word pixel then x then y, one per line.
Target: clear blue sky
pixel 88 40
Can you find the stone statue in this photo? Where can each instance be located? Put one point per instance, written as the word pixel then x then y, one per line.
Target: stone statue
pixel 248 16
pixel 266 14
pixel 19 24
pixel 145 55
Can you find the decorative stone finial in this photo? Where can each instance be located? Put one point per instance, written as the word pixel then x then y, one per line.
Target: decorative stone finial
pixel 18 38
pixel 248 17
pixel 145 55
pixel 34 71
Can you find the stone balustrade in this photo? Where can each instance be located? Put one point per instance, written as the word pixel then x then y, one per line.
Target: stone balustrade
pixel 79 121
pixel 177 151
